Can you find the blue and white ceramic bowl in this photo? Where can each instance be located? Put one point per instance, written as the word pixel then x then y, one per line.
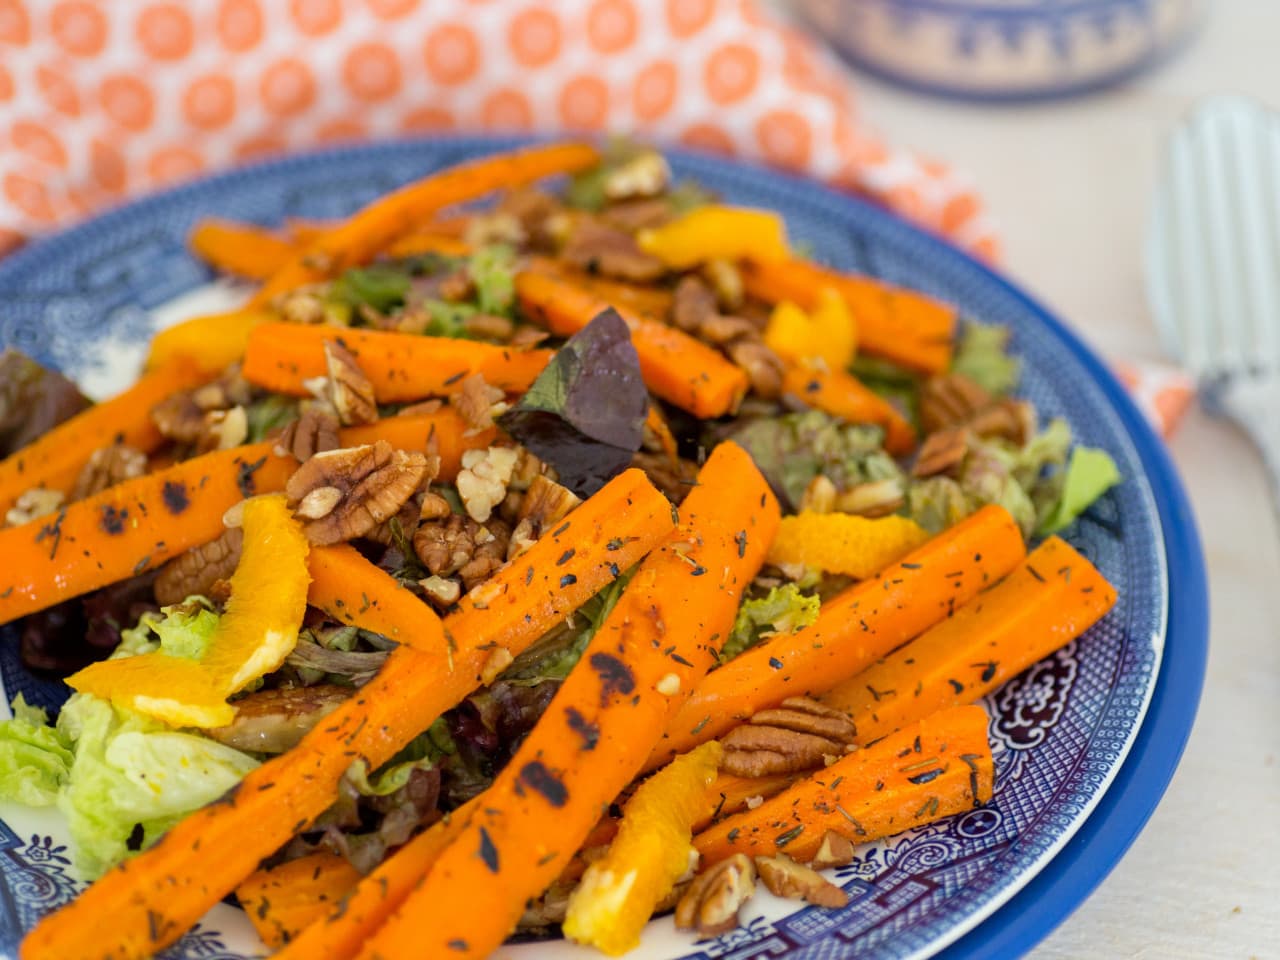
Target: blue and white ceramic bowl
pixel 1003 49
pixel 1075 758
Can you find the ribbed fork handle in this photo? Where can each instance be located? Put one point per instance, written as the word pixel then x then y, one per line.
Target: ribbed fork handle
pixel 1254 403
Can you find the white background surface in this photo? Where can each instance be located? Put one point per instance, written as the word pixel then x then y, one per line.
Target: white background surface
pixel 1069 186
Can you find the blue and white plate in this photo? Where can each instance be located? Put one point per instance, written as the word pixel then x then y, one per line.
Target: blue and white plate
pixel 88 299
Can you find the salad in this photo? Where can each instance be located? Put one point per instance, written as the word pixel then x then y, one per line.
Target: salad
pixel 523 568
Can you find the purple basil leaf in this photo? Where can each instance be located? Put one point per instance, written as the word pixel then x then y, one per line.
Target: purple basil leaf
pixel 585 413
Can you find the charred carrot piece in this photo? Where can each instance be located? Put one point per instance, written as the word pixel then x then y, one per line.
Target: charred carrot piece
pixel 853 629
pixel 55 460
pixel 153 899
pixel 931 769
pixel 1053 597
pixel 600 726
pixel 130 527
pixel 375 227
pixel 402 367
pixel 244 249
pixel 283 901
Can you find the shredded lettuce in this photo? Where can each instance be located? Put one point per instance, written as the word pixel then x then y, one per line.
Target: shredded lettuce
pixel 982 356
pixel 492 270
pixel 379 286
pixel 265 415
pixel 1089 474
pixel 783 609
pixel 35 760
pixel 181 630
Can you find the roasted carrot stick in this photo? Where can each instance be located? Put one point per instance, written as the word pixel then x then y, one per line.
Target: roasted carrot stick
pixel 843 395
pixel 936 767
pixel 55 460
pixel 1050 599
pixel 444 432
pixel 600 726
pixel 854 628
pixel 652 302
pixel 131 527
pixel 244 249
pixel 420 242
pixel 677 367
pixel 401 366
pixel 211 342
pixel 338 932
pixel 283 901
pixel 906 327
pixel 376 226
pixel 157 896
pixel 353 590
pixel 730 794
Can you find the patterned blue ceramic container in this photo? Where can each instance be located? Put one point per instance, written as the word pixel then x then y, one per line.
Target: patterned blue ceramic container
pixel 1003 49
pixel 1074 759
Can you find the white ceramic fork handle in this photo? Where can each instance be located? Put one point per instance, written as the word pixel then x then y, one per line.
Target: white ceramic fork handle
pixel 1254 403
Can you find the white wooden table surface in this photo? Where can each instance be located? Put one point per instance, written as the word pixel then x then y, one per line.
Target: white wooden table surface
pixel 1069 184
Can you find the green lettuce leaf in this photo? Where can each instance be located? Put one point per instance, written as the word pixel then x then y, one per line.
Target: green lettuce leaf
pixel 181 630
pixel 380 286
pixel 493 271
pixel 982 356
pixel 132 778
pixel 1090 473
pixel 783 609
pixel 35 760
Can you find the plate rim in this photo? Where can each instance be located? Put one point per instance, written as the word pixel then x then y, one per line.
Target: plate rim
pixel 1071 873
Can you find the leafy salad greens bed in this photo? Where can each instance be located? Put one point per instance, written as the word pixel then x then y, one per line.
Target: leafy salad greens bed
pixel 585 556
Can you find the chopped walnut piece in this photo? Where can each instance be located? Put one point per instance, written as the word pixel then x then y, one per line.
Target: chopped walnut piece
pixel 459 545
pixel 489 326
pixel 229 390
pixel 876 498
pixel 223 429
pixel 644 175
pixel 106 467
pixel 350 391
pixel 721 330
pixel 942 452
pixel 456 286
pixel 372 484
pixel 596 247
pixel 639 214
pixel 498 660
pixel 33 504
pixel 498 226
pixel 315 431
pixel 434 507
pixel 303 305
pixel 482 481
pixel 711 903
pixel 836 850
pixel 478 403
pixel 726 280
pixel 762 366
pixel 819 496
pixel 794 737
pixel 198 569
pixel 693 305
pixel 441 591
pixel 1014 420
pixel 490 554
pixel 785 878
pixel 177 417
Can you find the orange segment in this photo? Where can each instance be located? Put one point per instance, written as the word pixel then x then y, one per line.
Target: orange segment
pixel 253 637
pixel 618 892
pixel 841 543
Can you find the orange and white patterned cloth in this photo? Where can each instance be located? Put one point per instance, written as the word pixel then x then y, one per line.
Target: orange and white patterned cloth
pixel 100 101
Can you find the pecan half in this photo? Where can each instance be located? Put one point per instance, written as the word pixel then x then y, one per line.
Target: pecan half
pixel 106 467
pixel 198 569
pixel 942 452
pixel 644 175
pixel 595 247
pixel 315 431
pixel 796 736
pixel 711 903
pixel 953 400
pixel 345 493
pixel 763 367
pixel 693 304
pixel 783 877
pixel 179 418
pixel 350 391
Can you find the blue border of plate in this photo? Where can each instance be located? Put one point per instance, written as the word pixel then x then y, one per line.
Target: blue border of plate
pixel 1088 857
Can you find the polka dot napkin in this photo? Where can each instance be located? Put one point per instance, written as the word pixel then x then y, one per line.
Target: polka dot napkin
pixel 100 101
